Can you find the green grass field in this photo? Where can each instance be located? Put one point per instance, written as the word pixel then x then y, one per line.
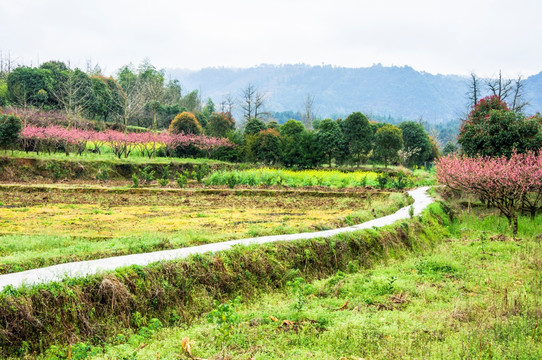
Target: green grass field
pixel 476 295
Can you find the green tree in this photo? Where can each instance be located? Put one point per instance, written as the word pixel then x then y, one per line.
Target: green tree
pixel 100 103
pixel 358 135
pixel 254 126
pixel 492 129
pixel 329 137
pixel 291 146
pixel 388 142
pixel 25 83
pixel 10 128
pixel 416 143
pixel 185 123
pixel 266 147
pixel 219 124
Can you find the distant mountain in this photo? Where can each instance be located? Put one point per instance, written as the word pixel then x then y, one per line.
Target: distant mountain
pixel 399 92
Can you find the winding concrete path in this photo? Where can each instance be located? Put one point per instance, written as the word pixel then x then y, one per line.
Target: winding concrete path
pixel 84 268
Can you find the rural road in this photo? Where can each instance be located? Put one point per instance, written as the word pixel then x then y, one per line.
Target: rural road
pixel 84 268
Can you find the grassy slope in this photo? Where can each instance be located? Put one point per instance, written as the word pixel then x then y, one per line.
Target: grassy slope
pixel 474 296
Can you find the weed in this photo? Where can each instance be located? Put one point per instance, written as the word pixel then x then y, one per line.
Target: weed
pixel 411 211
pixel 300 289
pixel 225 318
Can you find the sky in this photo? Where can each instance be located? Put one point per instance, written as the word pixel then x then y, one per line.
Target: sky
pixel 438 37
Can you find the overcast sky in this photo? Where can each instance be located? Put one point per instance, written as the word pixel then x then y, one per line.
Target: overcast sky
pixel 447 37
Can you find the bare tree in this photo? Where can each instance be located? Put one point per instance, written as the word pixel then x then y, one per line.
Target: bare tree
pixel 259 102
pixel 500 87
pixel 474 90
pixel 308 109
pixel 518 102
pixel 73 94
pixel 227 103
pixel 154 89
pixel 247 101
pixel 132 100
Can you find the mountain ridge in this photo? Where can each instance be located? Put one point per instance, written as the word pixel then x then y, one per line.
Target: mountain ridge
pixel 399 92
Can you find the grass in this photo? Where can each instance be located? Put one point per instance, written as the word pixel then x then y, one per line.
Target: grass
pixel 110 157
pixel 61 224
pixel 477 295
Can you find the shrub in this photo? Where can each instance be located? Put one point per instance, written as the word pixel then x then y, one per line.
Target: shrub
pixel 185 123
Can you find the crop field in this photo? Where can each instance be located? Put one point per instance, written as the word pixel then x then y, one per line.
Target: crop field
pixel 47 225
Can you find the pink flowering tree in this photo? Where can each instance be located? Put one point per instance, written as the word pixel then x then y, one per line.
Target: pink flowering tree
pixel 53 138
pixel 511 185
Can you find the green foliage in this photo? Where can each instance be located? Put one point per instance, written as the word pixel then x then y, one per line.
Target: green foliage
pixel 102 174
pixel 329 136
pixel 146 174
pixel 382 180
pixel 225 318
pixel 254 126
pixel 163 181
pixel 181 179
pixel 219 124
pixel 266 147
pixel 24 85
pixel 416 142
pixel 300 290
pixel 58 171
pixel 10 128
pixel 202 171
pixel 186 123
pixel 358 135
pixel 135 180
pixel 491 129
pixel 388 142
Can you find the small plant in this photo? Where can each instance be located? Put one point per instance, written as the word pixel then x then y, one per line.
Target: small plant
pixel 163 182
pixel 201 172
pixel 146 174
pixel 135 180
pixel 401 181
pixel 225 318
pixel 382 180
pixel 166 172
pixel 299 288
pixel 102 175
pixel 232 179
pixel 411 211
pixel 58 171
pixel 181 179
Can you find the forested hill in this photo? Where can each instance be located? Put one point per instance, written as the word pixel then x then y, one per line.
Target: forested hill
pixel 400 92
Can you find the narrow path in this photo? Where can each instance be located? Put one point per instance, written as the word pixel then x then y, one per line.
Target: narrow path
pixel 84 268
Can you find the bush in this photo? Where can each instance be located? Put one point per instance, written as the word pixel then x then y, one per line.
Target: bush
pixel 185 123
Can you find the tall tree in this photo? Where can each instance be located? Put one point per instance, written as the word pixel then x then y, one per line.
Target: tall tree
pixel 308 111
pixel 329 136
pixel 358 135
pixel 388 142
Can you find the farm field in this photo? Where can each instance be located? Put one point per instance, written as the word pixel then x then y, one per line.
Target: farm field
pixel 45 225
pixel 475 295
